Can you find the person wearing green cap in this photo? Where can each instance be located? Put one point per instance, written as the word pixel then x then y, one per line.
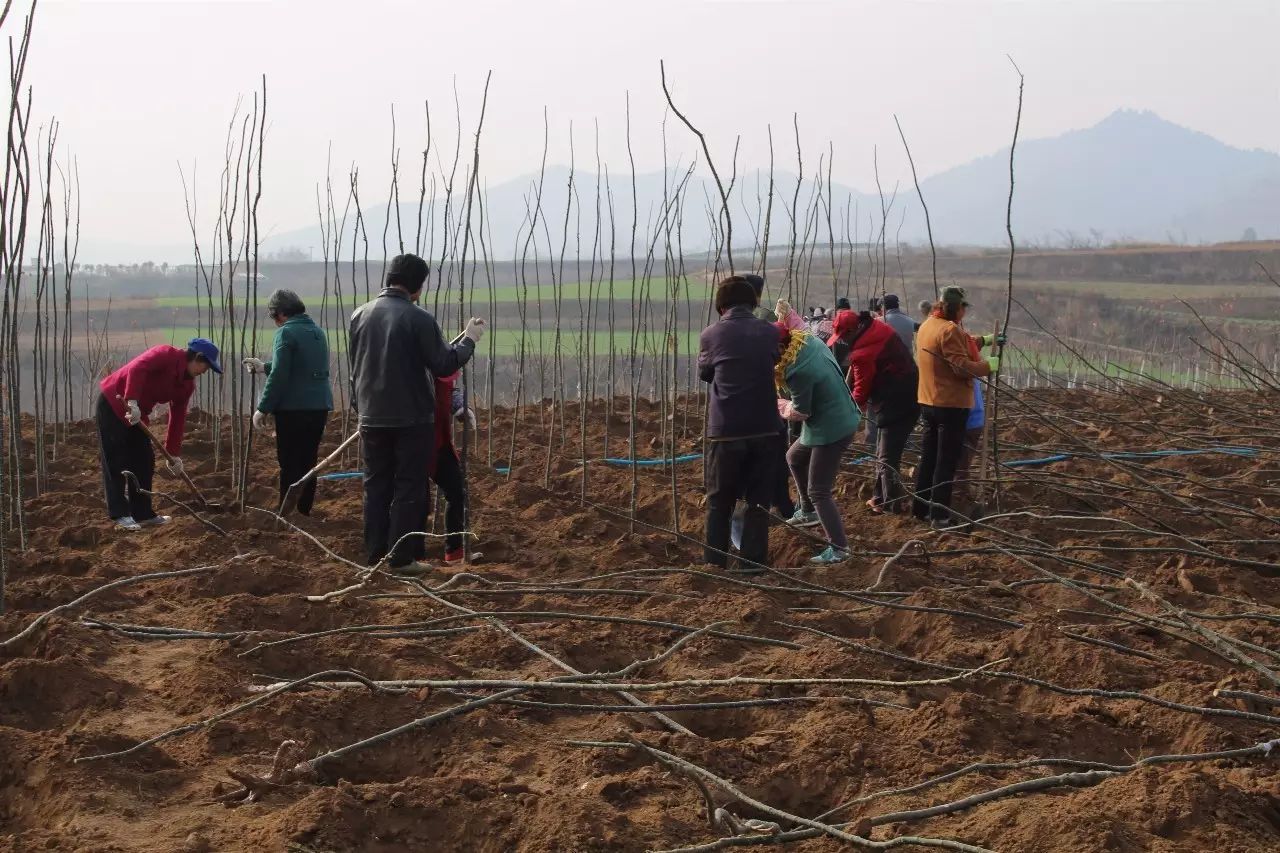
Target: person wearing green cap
pixel 945 394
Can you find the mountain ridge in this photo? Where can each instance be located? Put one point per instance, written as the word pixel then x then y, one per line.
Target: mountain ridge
pixel 1131 176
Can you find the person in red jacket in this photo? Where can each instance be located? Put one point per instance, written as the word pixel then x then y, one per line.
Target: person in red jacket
pixel 883 378
pixel 162 374
pixel 446 469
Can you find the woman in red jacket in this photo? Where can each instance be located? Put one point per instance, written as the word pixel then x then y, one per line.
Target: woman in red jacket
pixel 162 374
pixel 883 378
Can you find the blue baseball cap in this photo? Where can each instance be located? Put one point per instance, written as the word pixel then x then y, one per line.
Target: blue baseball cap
pixel 208 349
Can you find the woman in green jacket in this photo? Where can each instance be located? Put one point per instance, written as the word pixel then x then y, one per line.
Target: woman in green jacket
pixel 820 402
pixel 297 392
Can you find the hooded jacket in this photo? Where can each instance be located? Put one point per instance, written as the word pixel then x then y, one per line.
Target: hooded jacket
pixel 884 378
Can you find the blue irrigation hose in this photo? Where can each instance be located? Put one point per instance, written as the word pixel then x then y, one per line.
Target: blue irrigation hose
pixel 1014 463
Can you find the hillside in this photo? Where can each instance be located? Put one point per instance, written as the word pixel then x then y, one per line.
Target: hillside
pixel 1132 176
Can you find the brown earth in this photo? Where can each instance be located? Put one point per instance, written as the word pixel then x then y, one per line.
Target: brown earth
pixel 504 777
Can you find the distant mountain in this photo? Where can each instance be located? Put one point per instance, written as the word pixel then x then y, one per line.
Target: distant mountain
pixel 1132 176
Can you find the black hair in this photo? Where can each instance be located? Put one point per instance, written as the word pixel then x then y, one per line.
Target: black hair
pixel 285 303
pixel 407 271
pixel 733 291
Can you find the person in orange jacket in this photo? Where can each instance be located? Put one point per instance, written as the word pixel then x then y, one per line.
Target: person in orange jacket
pixel 947 371
pixel 162 374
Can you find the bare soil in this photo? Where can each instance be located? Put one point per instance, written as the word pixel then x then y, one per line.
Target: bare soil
pixel 504 777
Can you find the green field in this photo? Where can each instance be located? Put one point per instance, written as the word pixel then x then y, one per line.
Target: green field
pixel 624 290
pixel 505 342
pixel 1135 290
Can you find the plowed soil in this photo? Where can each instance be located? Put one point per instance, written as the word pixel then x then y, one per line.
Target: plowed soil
pixel 507 777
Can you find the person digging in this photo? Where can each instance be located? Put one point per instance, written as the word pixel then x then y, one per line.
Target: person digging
pixel 162 374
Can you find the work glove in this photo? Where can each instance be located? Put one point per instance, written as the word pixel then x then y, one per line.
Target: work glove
pixel 259 420
pixel 175 466
pixel 782 309
pixel 254 365
pixel 133 414
pixel 999 339
pixel 994 363
pixel 467 416
pixel 474 330
pixel 791 413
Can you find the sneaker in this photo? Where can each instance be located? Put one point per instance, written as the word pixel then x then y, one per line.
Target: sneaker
pixel 829 556
pixel 126 522
pixel 156 521
pixel 456 557
pixel 804 519
pixel 414 569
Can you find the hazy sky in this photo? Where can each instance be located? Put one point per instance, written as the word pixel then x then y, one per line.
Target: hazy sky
pixel 140 86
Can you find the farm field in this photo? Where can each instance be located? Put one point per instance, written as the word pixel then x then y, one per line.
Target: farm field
pixel 1101 634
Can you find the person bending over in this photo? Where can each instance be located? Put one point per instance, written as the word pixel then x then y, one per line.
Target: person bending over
pixel 162 374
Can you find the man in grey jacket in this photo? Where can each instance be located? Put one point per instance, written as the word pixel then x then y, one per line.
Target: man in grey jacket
pixel 900 322
pixel 396 350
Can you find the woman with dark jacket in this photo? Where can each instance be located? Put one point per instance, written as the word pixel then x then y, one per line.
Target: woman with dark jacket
pixel 297 392
pixel 947 371
pixel 883 379
pixel 736 356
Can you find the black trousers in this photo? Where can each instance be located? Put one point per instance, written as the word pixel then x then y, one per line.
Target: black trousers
pixel 396 461
pixel 740 468
pixel 124 448
pixel 298 436
pixel 447 474
pixel 942 442
pixel 891 441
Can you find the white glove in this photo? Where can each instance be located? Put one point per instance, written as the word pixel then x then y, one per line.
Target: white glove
pixel 782 309
pixel 474 330
pixel 254 365
pixel 175 466
pixel 468 416
pixel 259 420
pixel 133 414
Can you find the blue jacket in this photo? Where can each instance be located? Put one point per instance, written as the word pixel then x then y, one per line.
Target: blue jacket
pixel 977 415
pixel 298 373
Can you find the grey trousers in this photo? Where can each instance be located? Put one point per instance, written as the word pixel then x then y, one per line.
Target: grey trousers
pixel 814 469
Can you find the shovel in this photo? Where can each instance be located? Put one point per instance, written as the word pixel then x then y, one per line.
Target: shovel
pixel 210 506
pixel 294 492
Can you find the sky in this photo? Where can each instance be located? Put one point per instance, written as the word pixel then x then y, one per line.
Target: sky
pixel 139 87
